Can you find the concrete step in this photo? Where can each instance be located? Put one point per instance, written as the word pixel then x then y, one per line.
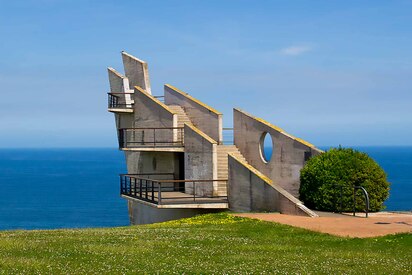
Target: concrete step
pixel 182 117
pixel 222 163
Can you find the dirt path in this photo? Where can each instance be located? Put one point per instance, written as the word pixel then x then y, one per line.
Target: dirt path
pixel 378 224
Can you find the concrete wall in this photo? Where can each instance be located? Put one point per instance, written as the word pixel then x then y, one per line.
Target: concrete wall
pixel 155 162
pixel 151 113
pixel 207 119
pixel 118 82
pixel 250 190
pixel 136 71
pixel 200 160
pixel 124 120
pixel 140 213
pixel 288 156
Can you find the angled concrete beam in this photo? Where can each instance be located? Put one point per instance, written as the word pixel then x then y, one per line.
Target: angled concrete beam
pixel 136 71
pixel 206 118
pixel 118 82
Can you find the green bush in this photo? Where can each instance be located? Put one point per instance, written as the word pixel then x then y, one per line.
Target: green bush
pixel 322 176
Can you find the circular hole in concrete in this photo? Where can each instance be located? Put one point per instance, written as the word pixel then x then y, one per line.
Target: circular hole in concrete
pixel 266 147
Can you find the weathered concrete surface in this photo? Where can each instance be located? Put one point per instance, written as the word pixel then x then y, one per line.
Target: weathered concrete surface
pixel 136 71
pixel 200 160
pixel 150 112
pixel 250 190
pixel 289 153
pixel 207 119
pixel 155 162
pixel 124 120
pixel 140 213
pixel 118 82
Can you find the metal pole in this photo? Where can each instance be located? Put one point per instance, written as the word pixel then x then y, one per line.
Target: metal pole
pixel 153 198
pixel 134 186
pixel 146 189
pixel 140 187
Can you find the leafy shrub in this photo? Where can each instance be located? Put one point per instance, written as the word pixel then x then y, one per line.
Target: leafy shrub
pixel 323 175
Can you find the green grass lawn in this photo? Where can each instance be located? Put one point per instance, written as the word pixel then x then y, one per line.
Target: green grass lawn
pixel 215 243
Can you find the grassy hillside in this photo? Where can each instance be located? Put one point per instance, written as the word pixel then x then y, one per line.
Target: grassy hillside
pixel 216 243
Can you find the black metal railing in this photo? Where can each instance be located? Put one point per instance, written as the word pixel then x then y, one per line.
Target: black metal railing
pixel 227 134
pixel 151 137
pixel 161 98
pixel 119 101
pixel 355 188
pixel 169 191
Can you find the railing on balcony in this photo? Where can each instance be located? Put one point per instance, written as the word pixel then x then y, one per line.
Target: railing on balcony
pixel 151 137
pixel 162 192
pixel 119 100
pixel 161 98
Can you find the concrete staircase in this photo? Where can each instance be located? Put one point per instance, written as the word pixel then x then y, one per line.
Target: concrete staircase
pixel 223 166
pixel 182 117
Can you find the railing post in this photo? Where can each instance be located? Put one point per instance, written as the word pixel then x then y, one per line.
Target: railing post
pixel 146 189
pixel 153 198
pixel 140 187
pixel 134 186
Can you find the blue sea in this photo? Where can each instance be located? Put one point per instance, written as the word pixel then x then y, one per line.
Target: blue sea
pixel 77 188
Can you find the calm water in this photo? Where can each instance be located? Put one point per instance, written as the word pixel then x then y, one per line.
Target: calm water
pixel 61 188
pixel 66 188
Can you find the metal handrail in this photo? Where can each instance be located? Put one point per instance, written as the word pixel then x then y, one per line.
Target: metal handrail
pixel 226 140
pixel 151 190
pixel 355 187
pixel 151 137
pixel 151 128
pixel 124 93
pixel 365 193
pixel 114 100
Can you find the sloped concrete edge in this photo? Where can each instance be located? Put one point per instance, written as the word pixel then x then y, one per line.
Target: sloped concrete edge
pixel 250 190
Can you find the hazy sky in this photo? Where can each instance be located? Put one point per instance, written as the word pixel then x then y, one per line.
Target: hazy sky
pixel 331 72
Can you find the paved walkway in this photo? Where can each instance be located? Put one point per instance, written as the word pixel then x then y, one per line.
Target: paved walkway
pixel 378 224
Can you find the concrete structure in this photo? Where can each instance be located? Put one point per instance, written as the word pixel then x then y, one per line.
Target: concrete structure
pixel 178 165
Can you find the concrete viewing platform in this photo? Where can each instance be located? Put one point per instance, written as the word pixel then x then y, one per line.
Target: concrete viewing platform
pixel 182 200
pixel 344 225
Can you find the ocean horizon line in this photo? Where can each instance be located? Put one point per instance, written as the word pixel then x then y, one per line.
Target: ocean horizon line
pixel 116 148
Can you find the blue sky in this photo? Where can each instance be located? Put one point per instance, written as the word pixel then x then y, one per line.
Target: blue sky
pixel 331 72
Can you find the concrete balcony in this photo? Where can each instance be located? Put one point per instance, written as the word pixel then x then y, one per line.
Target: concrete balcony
pixel 120 102
pixel 164 193
pixel 164 139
